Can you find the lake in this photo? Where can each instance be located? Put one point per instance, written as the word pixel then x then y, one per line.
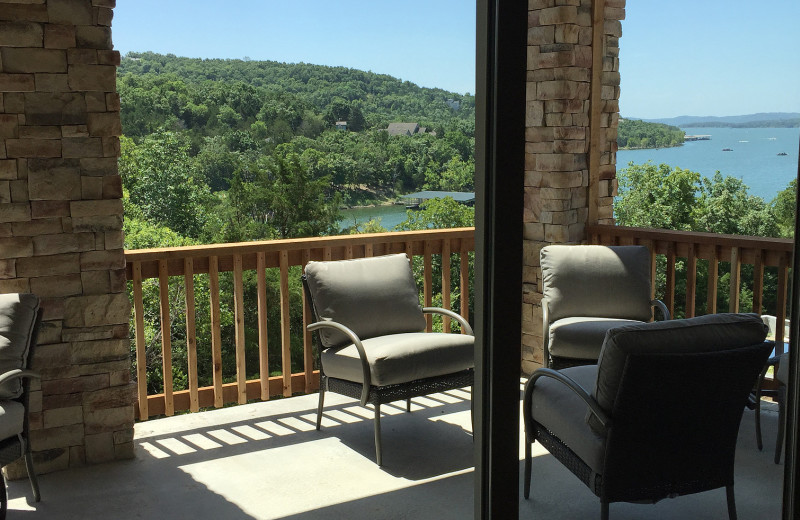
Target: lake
pixel 390 216
pixel 753 157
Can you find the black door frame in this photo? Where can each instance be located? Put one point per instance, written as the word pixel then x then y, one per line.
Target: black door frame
pixel 501 63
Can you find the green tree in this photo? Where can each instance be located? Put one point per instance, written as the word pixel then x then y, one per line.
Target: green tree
pixel 784 207
pixel 162 182
pixel 657 197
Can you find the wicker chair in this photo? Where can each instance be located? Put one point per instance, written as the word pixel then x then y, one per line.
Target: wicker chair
pixel 658 416
pixel 587 291
pixel 20 317
pixel 368 321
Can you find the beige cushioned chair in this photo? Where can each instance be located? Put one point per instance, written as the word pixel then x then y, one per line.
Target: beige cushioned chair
pixel 588 290
pixel 370 325
pixel 658 416
pixel 20 316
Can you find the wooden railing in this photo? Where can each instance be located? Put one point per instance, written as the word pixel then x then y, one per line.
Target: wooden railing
pixel 733 250
pixel 280 255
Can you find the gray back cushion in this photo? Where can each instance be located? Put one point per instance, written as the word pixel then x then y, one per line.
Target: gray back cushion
pixel 710 333
pixel 17 320
pixel 599 281
pixel 371 296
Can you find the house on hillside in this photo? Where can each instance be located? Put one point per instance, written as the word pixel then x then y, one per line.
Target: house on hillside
pixel 341 125
pixel 405 129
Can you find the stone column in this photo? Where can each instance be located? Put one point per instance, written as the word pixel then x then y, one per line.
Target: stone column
pixel 61 223
pixel 558 137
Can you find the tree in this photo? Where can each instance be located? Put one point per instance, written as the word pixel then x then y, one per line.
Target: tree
pixel 162 182
pixel 784 206
pixel 439 214
pixel 656 197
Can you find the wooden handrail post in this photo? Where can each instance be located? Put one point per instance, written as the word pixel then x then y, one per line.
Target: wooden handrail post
pixel 191 333
pixel 216 335
pixel 166 337
pixel 141 355
pixel 263 350
pixel 286 340
pixel 736 271
pixel 446 282
pixel 238 310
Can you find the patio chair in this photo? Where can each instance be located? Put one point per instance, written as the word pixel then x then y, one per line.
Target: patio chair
pixel 368 321
pixel 587 291
pixel 658 416
pixel 20 317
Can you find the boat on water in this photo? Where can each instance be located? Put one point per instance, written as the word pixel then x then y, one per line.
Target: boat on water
pixel 783 153
pixel 727 149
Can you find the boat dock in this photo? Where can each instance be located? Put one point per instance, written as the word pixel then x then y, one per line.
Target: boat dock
pixel 696 137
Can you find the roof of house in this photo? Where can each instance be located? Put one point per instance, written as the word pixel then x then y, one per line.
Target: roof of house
pixel 458 196
pixel 403 128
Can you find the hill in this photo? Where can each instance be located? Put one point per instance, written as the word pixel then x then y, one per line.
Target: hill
pixel 761 119
pixel 633 134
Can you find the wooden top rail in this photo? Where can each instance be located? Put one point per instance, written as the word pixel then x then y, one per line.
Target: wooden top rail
pixel 705 245
pixel 321 248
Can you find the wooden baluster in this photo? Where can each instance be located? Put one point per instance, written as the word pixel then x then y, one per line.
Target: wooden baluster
pixel 410 252
pixel 780 314
pixel 669 290
pixel 286 344
pixel 216 336
pixel 653 268
pixel 691 280
pixel 141 355
pixel 446 282
pixel 263 349
pixel 348 252
pixel 428 283
pixel 464 282
pixel 308 350
pixel 713 281
pixel 367 250
pixel 736 270
pixel 191 333
pixel 166 337
pixel 758 282
pixel 238 311
pixel 327 254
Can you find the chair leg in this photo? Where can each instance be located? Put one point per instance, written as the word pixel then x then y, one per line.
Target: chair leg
pixel 3 497
pixel 321 403
pixel 761 376
pixel 32 476
pixel 781 422
pixel 526 490
pixel 603 510
pixel 731 502
pixel 378 457
pixel 408 404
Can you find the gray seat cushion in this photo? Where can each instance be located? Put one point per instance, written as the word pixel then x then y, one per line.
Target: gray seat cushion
pixel 561 411
pixel 17 320
pixel 710 333
pixel 782 373
pixel 602 281
pixel 581 337
pixel 400 358
pixel 12 414
pixel 371 296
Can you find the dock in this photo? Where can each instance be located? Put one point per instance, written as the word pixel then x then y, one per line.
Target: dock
pixel 696 138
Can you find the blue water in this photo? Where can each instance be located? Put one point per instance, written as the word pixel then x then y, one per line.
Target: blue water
pixel 389 216
pixel 754 157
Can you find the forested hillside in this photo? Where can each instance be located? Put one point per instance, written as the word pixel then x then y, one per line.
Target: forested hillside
pixel 634 133
pixel 242 150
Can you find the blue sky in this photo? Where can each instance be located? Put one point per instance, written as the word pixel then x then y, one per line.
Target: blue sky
pixel 678 57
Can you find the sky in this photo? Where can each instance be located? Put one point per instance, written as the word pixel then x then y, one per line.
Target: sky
pixel 677 57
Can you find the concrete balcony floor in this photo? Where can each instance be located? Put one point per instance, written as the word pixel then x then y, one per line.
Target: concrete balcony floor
pixel 267 461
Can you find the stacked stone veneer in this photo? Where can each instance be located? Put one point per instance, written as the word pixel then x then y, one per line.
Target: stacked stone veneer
pixel 61 223
pixel 558 136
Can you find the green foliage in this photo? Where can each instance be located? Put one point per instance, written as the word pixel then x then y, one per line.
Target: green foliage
pixel 438 214
pixel 784 207
pixel 656 197
pixel 633 133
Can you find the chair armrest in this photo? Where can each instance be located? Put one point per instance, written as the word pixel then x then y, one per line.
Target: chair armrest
pixel 365 371
pixel 18 372
pixel 594 407
pixel 546 332
pixel 460 319
pixel 660 306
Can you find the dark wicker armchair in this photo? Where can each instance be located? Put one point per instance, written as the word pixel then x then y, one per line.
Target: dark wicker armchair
pixel 658 416
pixel 368 321
pixel 20 316
pixel 587 291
